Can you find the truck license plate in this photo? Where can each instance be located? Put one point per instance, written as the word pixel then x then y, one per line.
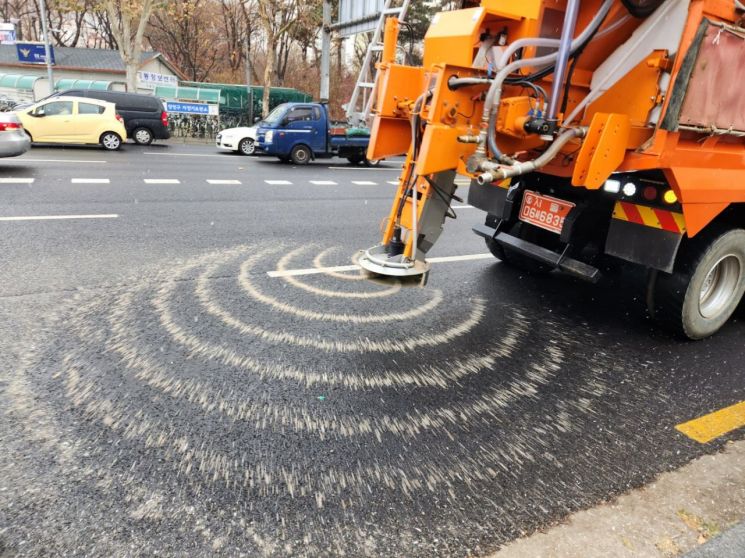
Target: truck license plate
pixel 544 211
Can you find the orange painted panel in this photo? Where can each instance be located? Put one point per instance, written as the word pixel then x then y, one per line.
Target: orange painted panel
pixel 602 151
pixel 390 137
pixel 513 9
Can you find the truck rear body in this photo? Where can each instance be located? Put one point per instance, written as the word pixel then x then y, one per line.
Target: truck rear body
pixel 639 149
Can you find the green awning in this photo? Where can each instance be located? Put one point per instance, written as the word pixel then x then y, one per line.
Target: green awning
pixel 63 84
pixel 188 93
pixel 18 81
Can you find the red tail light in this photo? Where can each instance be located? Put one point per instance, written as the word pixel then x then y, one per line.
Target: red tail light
pixel 5 126
pixel 164 118
pixel 119 118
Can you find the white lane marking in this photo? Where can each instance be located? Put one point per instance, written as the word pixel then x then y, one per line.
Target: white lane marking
pixel 58 217
pixel 16 180
pixel 318 270
pixel 394 182
pixel 185 155
pixel 90 181
pixel 323 182
pixel 278 182
pixel 462 207
pixel 398 169
pixel 162 181
pixel 311 271
pixel 364 183
pixel 78 161
pixel 217 181
pixel 465 258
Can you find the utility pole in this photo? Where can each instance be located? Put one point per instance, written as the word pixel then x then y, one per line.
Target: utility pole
pixel 326 52
pixel 47 47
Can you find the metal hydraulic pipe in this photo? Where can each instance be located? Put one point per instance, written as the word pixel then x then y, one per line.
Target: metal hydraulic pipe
pixel 496 172
pixel 456 83
pixel 493 97
pixel 514 46
pixel 562 62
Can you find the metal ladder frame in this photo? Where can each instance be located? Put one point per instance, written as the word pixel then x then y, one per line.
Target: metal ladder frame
pixel 367 89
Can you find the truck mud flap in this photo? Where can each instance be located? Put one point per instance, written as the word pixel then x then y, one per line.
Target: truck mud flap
pixel 642 245
pixel 569 266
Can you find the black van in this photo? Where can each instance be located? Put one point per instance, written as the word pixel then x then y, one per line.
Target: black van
pixel 144 116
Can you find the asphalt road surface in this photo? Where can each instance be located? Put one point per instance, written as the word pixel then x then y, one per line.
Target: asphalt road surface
pixel 163 394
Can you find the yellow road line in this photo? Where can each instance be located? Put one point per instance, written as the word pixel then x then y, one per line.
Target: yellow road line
pixel 708 427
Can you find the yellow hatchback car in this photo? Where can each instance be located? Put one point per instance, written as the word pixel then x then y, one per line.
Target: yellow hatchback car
pixel 74 120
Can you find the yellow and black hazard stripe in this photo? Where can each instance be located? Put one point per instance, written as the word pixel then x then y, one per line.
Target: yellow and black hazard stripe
pixel 650 216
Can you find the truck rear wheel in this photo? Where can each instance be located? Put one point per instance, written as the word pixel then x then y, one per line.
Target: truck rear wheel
pixel 705 288
pixel 300 155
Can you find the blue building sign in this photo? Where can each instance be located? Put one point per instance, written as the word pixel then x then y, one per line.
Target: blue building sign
pixel 33 53
pixel 191 108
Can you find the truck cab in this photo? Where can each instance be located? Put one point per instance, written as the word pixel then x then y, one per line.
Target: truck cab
pixel 301 132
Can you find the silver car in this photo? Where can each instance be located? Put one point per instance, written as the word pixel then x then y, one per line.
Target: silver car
pixel 13 140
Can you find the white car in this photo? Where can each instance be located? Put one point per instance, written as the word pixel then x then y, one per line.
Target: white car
pixel 242 140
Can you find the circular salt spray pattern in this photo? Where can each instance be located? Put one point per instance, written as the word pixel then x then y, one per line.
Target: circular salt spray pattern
pixel 248 285
pixel 214 465
pixel 302 418
pixel 285 263
pixel 360 345
pixel 183 370
pixel 319 263
pixel 123 323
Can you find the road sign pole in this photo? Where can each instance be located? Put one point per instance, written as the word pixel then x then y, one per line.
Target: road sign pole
pixel 47 48
pixel 326 52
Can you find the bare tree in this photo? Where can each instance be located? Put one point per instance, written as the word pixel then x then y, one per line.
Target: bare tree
pixel 128 20
pixel 276 20
pixel 27 16
pixel 238 30
pixel 100 33
pixel 187 32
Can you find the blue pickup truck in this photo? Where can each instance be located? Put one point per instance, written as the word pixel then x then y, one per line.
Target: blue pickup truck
pixel 301 132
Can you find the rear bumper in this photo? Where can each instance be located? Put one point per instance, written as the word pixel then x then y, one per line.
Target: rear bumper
pixel 541 254
pixel 13 144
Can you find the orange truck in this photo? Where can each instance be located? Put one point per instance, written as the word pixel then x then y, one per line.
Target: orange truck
pixel 591 130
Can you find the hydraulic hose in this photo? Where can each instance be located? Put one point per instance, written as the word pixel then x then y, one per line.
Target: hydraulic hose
pixel 415 147
pixel 494 95
pixel 496 172
pixel 593 94
pixel 456 83
pixel 562 57
pixel 514 46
